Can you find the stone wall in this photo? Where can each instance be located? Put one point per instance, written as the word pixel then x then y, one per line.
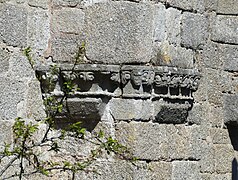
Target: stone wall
pixel 160 76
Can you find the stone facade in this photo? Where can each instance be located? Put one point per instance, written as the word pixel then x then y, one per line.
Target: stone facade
pixel 159 76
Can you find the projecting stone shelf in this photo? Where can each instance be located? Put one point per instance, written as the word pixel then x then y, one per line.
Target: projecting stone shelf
pixel 166 89
pixel 126 81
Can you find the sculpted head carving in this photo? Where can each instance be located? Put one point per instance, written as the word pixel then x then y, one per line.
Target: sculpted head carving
pixel 125 76
pixel 175 80
pixel 136 77
pixel 86 76
pixel 147 77
pixel 115 77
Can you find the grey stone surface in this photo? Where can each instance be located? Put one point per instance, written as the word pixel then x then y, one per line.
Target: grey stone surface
pixel 4 59
pixel 85 108
pixel 224 155
pixel 160 170
pixel 117 170
pixel 207 161
pixel 194 24
pixel 69 3
pixel 172 55
pixel 38 34
pixel 12 97
pixel 220 136
pixel 160 22
pixel 19 67
pixel 7 135
pixel 218 83
pixel 68 20
pixel 173 25
pixel 65 47
pixel 13 25
pixel 227 7
pixel 230 57
pixel 131 109
pixel 225 29
pixel 185 170
pixel 119 32
pixel 44 4
pixel 196 114
pixel 193 5
pixel 170 113
pixel 34 103
pixel 150 141
pixel 230 109
pixel 226 176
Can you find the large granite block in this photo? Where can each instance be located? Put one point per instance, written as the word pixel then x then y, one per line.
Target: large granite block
pixel 68 20
pixel 39 32
pixel 173 25
pixel 190 5
pixel 160 141
pixel 13 25
pixel 230 109
pixel 4 59
pixel 225 29
pixel 172 55
pixel 227 7
pixel 119 32
pixel 194 24
pixel 185 170
pixel 131 109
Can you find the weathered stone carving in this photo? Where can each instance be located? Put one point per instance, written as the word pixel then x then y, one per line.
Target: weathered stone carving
pixel 136 81
pixel 169 89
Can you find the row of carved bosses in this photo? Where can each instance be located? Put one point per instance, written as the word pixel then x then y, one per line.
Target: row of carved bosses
pixel 139 78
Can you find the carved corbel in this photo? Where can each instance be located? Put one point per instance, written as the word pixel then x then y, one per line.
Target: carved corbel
pixel 125 77
pixel 115 77
pixel 86 76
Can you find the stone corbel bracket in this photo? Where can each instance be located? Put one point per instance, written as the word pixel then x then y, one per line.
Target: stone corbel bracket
pixel 129 81
pixel 168 90
pixel 159 82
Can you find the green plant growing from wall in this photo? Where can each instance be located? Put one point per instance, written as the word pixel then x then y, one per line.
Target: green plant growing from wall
pixel 23 157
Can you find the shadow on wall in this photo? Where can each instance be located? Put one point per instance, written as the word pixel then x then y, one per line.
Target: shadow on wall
pixel 234 170
pixel 233 133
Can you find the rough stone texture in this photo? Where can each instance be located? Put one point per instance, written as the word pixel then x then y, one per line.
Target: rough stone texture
pixel 230 109
pixel 44 4
pixel 4 58
pixel 224 155
pixel 220 136
pixel 171 55
pixel 145 144
pixel 194 24
pixel 12 96
pixel 225 29
pixel 130 109
pixel 160 22
pixel 65 47
pixel 196 115
pixel 13 25
pixel 38 32
pixel 6 136
pixel 173 28
pixel 195 5
pixel 227 7
pixel 170 113
pixel 218 82
pixel 85 108
pixel 193 138
pixel 68 20
pixel 119 32
pixel 185 170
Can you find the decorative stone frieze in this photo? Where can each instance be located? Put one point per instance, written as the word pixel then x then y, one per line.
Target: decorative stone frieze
pixel 166 90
